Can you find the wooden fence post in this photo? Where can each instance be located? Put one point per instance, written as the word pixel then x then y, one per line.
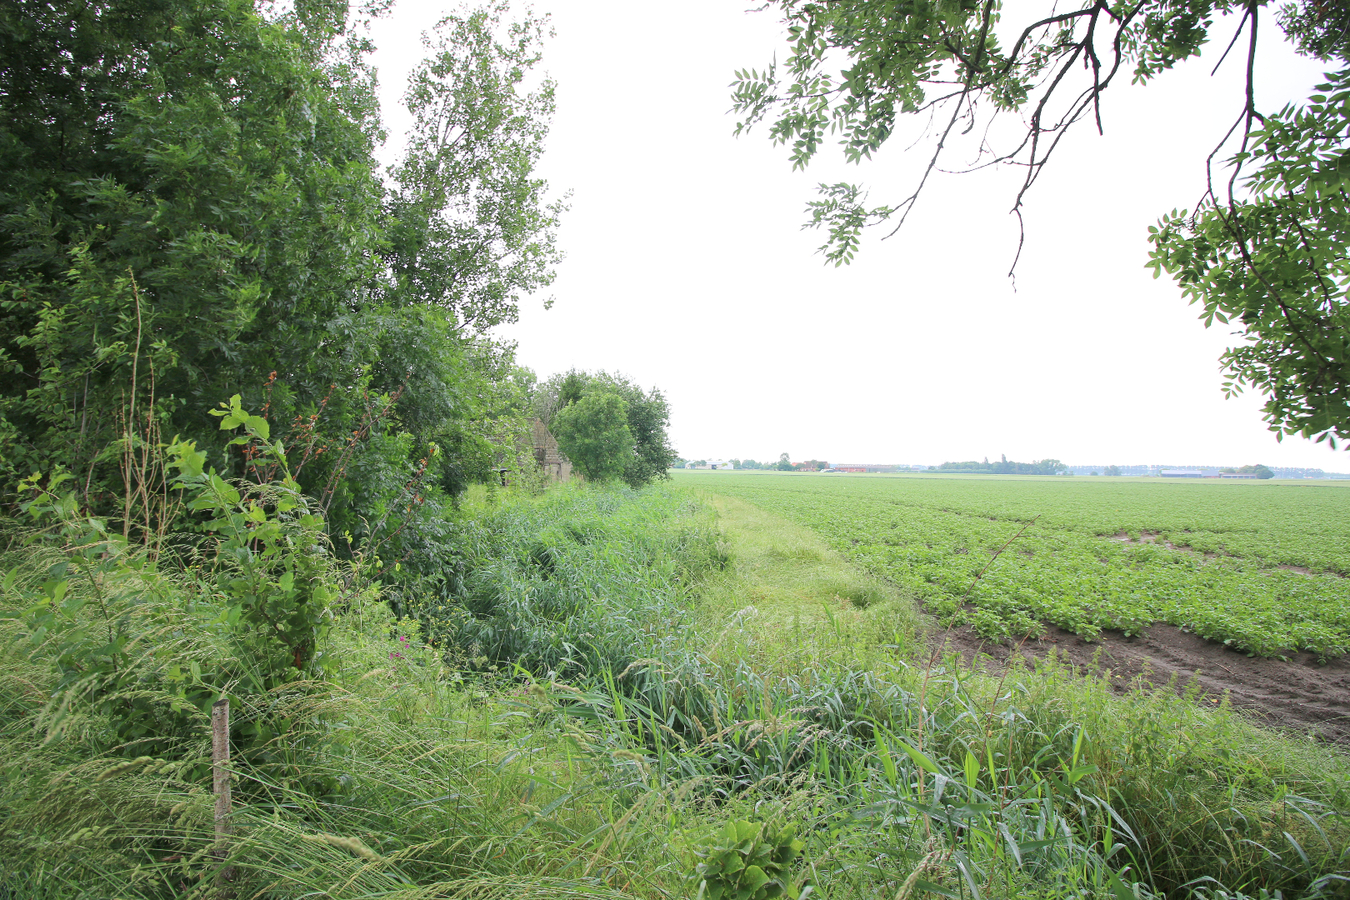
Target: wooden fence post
pixel 220 783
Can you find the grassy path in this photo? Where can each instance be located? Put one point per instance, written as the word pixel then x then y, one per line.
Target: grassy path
pixel 791 603
pixel 1185 778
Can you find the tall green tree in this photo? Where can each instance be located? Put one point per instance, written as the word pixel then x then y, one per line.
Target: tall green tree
pixel 594 434
pixel 469 226
pixel 189 194
pixel 1265 248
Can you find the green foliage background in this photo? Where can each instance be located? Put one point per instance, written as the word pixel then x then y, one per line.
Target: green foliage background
pixel 192 210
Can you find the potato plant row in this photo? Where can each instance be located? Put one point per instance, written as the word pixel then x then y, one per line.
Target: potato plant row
pixel 1097 556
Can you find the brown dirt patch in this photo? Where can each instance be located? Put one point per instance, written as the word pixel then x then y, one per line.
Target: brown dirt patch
pixel 1300 694
pixel 1152 537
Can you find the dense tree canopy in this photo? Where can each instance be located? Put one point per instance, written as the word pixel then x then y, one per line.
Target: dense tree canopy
pixel 594 434
pixel 1265 249
pixel 188 190
pixel 1006 467
pixel 192 210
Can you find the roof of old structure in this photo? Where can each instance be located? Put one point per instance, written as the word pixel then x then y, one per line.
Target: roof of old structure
pixel 544 440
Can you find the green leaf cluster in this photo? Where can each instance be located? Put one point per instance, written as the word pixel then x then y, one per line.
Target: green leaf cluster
pixel 748 861
pixel 275 571
pixel 1274 263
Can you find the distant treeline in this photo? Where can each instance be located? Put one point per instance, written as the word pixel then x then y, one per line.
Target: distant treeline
pixel 1004 467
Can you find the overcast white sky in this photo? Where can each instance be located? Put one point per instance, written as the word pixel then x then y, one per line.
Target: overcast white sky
pixel 687 269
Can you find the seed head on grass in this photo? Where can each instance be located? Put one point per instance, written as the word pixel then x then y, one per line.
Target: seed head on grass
pixel 355 846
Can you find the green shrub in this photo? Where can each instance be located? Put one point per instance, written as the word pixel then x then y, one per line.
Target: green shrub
pixel 149 649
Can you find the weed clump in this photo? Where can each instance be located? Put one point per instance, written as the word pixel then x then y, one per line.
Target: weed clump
pixel 577 583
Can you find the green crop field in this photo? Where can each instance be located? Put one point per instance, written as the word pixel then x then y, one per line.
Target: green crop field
pixel 1260 566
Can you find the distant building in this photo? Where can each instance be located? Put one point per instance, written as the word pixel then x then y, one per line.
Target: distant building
pixel 864 467
pixel 546 453
pixel 1181 473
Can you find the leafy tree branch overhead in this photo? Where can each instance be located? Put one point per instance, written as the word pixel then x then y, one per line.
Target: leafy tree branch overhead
pixel 1264 249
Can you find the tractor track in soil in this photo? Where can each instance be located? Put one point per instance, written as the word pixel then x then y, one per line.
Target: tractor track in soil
pixel 1299 694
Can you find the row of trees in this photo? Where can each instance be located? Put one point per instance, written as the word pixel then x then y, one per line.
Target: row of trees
pixel 1258 470
pixel 192 211
pixel 784 464
pixel 1005 467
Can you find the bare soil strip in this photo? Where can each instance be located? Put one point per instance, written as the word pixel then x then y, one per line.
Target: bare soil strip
pixel 1300 694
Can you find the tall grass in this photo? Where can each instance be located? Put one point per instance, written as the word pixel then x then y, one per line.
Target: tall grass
pixel 407 783
pixel 601 681
pixel 577 583
pixel 1042 778
pixel 387 778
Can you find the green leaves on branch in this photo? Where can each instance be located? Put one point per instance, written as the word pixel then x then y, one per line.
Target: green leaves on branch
pixel 843 214
pixel 1274 263
pixel 1271 261
pixel 857 68
pixel 274 566
pixel 233 415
